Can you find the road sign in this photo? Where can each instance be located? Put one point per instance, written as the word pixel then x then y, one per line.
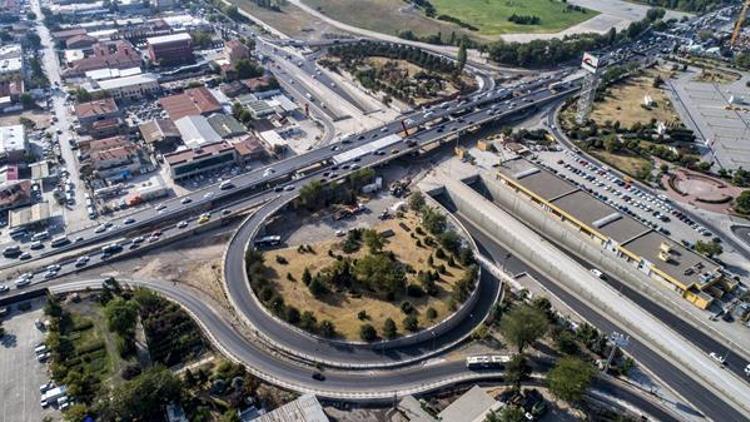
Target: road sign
pixel 590 63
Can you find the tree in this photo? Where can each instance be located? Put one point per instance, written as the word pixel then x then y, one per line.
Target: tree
pixel 570 378
pixel 517 370
pixel 433 221
pixel 367 332
pixel 76 413
pixel 141 398
pixel 374 241
pixel 121 316
pixel 411 323
pixel 27 101
pixel 389 329
pixel 317 288
pixel 327 329
pixel 523 325
pixel 416 201
pixel 461 57
pixel 306 276
pixel 566 342
pixel 710 249
pixel 247 69
pixel 509 413
pixel 381 274
pixel 742 203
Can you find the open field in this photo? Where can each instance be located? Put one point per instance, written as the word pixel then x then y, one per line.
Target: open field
pixel 717 76
pixel 291 20
pixel 628 163
pixel 491 16
pixel 623 102
pixel 342 308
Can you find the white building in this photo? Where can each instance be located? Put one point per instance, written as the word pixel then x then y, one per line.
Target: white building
pixel 307 408
pixel 196 131
pixel 12 143
pixel 11 59
pixel 128 87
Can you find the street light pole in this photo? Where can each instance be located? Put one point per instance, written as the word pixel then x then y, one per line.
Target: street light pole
pixel 617 340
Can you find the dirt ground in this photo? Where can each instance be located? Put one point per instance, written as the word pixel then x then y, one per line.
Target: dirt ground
pixel 623 101
pixel 41 118
pixel 342 309
pixel 717 76
pixel 630 164
pixel 291 21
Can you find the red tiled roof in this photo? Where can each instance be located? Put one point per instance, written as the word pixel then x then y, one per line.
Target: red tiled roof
pixel 94 108
pixel 192 102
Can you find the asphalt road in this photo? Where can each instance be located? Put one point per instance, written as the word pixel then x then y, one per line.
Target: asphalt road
pixel 366 385
pixel 701 397
pixel 337 353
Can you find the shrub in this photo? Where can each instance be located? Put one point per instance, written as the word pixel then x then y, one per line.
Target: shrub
pixel 414 290
pixel 407 307
pixel 130 371
pixel 431 313
pixel 411 323
pixel 281 260
pixel 362 315
pixel 367 332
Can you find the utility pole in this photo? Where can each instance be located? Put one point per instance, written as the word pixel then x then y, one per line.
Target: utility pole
pixel 616 340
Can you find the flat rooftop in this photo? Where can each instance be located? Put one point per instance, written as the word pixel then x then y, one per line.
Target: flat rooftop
pixel 600 216
pixel 542 183
pixel 683 263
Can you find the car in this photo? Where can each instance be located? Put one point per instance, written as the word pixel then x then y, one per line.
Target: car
pixel 597 273
pixel 101 228
pixel 138 239
pixel 718 358
pixel 340 233
pixel 81 261
pixel 226 211
pixel 22 281
pixel 4 288
pixel 208 195
pixel 747 370
pixel 49 274
pixel 54 267
pixel 161 207
pixel 204 218
pixel 182 224
pixel 24 256
pixel 36 245
pixel 186 200
pixel 46 387
pixel 129 220
pixel 289 188
pixel 318 376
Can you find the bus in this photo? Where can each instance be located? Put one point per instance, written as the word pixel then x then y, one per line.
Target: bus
pixel 487 361
pixel 272 240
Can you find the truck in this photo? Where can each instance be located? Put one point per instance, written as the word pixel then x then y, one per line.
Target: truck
pixel 51 396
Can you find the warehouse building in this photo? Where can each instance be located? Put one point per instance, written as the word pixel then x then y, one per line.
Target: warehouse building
pixel 697 278
pixel 128 88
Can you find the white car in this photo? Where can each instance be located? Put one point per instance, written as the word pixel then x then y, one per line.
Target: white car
pixel 4 288
pixel 129 220
pixel 747 370
pixel 597 273
pixel 46 387
pixel 161 207
pixel 718 358
pixel 208 195
pixel 22 281
pixel 81 261
pixel 186 200
pixel 182 224
pixel 100 229
pixel 54 268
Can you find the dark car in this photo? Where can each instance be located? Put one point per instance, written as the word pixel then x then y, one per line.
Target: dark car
pixel 318 376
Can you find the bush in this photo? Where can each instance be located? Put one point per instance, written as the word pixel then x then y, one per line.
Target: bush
pixel 414 290
pixel 130 371
pixel 389 329
pixel 411 323
pixel 292 315
pixel 281 260
pixel 362 315
pixel 431 313
pixel 327 329
pixel 407 307
pixel 367 332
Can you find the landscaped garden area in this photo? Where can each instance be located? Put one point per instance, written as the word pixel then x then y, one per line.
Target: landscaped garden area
pixel 392 279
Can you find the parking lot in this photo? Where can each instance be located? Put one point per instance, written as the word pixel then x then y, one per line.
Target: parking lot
pixel 704 107
pixel 20 373
pixel 655 212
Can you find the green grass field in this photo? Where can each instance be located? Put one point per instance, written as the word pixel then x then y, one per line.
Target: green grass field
pixel 489 16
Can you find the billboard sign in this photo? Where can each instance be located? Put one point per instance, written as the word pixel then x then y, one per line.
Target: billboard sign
pixel 590 63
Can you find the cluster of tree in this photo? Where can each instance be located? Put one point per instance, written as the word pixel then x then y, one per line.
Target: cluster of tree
pixel 742 202
pixel 742 60
pixel 202 39
pixel 171 334
pixel 317 195
pixel 543 53
pixel 274 5
pixel 524 19
pixel 38 78
pixel 257 274
pixel 429 9
pixel 355 52
pixel 457 21
pixel 710 249
pixel 699 6
pixel 248 69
